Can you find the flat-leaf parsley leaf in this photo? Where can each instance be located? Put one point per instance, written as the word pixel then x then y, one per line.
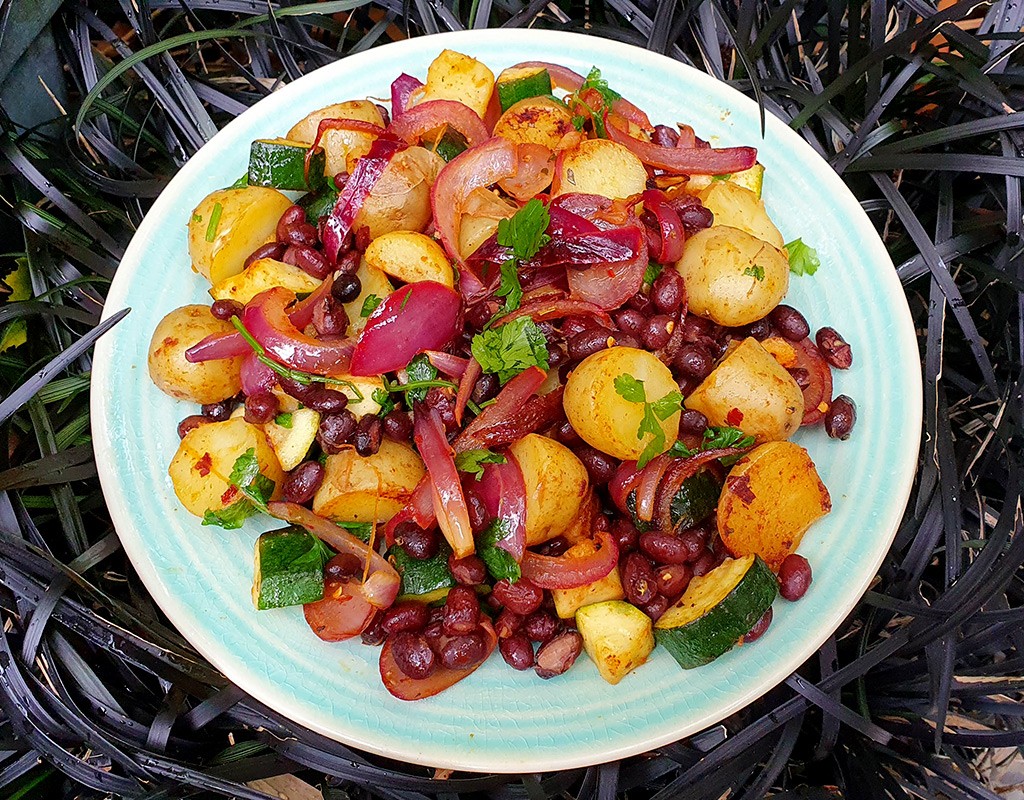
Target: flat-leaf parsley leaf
pixel 473 461
pixel 803 259
pixel 510 348
pixel 632 389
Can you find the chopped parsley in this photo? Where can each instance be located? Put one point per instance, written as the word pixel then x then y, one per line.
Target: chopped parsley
pixel 600 85
pixel 283 420
pixel 652 272
pixel 255 487
pixel 656 412
pixel 756 272
pixel 211 228
pixel 715 438
pixel 383 398
pixel 473 461
pixel 608 96
pixel 499 561
pixel 369 305
pixel 524 233
pixel 242 182
pixel 511 348
pixel 421 372
pixel 724 177
pixel 803 259
pixel 361 530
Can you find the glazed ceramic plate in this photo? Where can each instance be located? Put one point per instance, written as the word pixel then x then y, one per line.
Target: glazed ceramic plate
pixel 498 719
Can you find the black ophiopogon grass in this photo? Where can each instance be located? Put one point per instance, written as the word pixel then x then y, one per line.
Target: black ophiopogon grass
pixel 917 695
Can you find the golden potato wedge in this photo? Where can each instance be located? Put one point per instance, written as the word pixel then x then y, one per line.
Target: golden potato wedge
pixel 374 488
pixel 260 276
pixel 751 391
pixel 752 179
pixel 770 498
pixel 201 468
pixel 617 636
pixel 205 382
pixel 228 225
pixel 291 441
pixel 456 76
pixel 361 403
pixel 603 417
pixel 556 484
pixel 400 199
pixel 410 257
pixel 600 166
pixel 342 147
pixel 732 277
pixel 738 207
pixel 536 120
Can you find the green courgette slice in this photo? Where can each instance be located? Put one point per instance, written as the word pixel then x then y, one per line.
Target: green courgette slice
pixel 695 501
pixel 426 580
pixel 716 610
pixel 518 84
pixel 289 568
pixel 281 164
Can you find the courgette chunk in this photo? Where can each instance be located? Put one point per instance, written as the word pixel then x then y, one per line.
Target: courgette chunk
pixel 289 569
pixel 716 610
pixel 427 579
pixel 518 84
pixel 695 500
pixel 451 144
pixel 281 163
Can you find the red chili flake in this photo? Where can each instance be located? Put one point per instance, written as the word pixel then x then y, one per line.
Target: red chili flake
pixel 740 486
pixel 203 465
pixel 170 341
pixel 228 497
pixel 734 417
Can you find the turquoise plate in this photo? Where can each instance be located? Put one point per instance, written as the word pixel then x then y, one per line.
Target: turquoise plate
pixel 500 720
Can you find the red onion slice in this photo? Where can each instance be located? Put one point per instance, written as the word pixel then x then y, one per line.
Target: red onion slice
pixel 402 88
pixel 434 114
pixel 446 489
pixel 697 161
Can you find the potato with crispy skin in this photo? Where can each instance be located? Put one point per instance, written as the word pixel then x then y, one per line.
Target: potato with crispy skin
pixel 371 488
pixel 535 120
pixel 556 484
pixel 342 147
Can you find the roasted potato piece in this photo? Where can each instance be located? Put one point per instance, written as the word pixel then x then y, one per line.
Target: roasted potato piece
pixel 751 391
pixel 228 225
pixel 617 636
pixel 602 416
pixel 372 282
pixel 410 257
pixel 260 276
pixel 556 483
pixel 205 382
pixel 732 277
pixel 201 468
pixel 770 498
pixel 483 210
pixel 537 120
pixel 738 207
pixel 400 199
pixel 752 179
pixel 366 387
pixel 455 76
pixel 374 488
pixel 291 441
pixel 599 166
pixel 342 147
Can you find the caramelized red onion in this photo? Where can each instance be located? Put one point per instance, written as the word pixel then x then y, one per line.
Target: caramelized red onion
pixel 434 114
pixel 503 492
pixel 419 316
pixel 402 88
pixel 570 572
pixel 695 161
pixel 449 502
pixel 671 234
pixel 405 688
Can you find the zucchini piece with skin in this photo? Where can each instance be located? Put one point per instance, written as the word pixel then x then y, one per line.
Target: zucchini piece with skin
pixel 616 635
pixel 450 144
pixel 426 580
pixel 716 610
pixel 289 568
pixel 695 501
pixel 281 164
pixel 515 84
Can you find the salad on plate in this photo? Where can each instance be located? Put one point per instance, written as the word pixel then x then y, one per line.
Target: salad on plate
pixel 512 364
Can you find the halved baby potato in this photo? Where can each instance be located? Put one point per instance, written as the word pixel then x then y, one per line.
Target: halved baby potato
pixel 342 147
pixel 456 76
pixel 738 207
pixel 260 276
pixel 599 166
pixel 556 482
pixel 374 488
pixel 535 120
pixel 410 257
pixel 228 225
pixel 400 199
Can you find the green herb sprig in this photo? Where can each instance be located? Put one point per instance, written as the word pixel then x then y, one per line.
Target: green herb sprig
pixel 511 348
pixel 803 259
pixel 255 487
pixel 656 412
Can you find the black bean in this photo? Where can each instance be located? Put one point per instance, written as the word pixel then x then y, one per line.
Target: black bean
pixel 418 543
pixel 693 422
pixel 657 331
pixel 342 566
pixel 840 418
pixel 226 309
pixel 486 387
pixel 600 466
pixel 272 250
pixel 630 321
pixel 836 351
pixel 191 423
pixel 397 426
pixel 667 292
pixel 694 361
pixel 368 435
pixel 335 430
pixel 346 288
pixel 261 408
pixel 326 401
pixel 303 482
pixel 413 655
pixel 790 323
pixel 794 577
pixel 588 342
pixel 218 412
